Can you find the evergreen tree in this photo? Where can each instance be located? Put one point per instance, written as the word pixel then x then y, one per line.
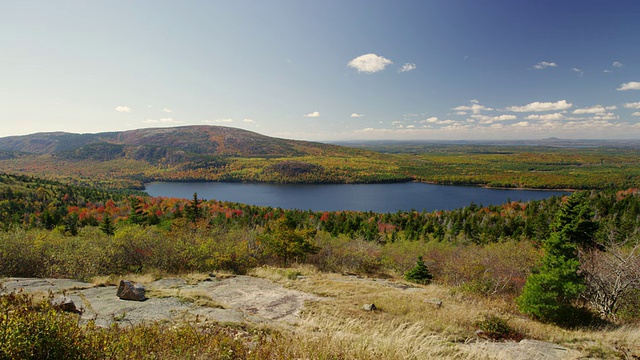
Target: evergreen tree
pixel 549 294
pixel 107 225
pixel 193 211
pixel 419 274
pixel 137 215
pixel 71 224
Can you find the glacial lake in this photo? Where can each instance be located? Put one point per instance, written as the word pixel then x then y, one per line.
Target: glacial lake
pixel 382 198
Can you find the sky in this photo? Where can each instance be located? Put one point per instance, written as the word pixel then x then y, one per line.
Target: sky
pixel 324 70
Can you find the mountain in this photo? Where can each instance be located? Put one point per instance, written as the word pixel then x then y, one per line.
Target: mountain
pixel 149 143
pixel 215 153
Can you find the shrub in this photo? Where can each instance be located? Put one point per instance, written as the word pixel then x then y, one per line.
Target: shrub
pixel 496 328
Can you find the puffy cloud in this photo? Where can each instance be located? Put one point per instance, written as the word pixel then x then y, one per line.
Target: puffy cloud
pixel 475 108
pixel 356 115
pixel 596 109
pixel 544 64
pixel 483 119
pixel 167 110
pixel 369 63
pixel 541 106
pixel 521 124
pixel 635 105
pixel 407 67
pixel 579 71
pixel 314 114
pixel 123 109
pixel 633 85
pixel 617 64
pixel 251 121
pixel 436 121
pixel 637 113
pixel 474 101
pixel 546 117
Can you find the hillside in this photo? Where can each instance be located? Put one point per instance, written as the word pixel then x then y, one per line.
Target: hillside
pixel 200 140
pixel 194 153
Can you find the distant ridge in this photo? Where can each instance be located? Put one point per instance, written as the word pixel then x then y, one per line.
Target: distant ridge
pixel 194 140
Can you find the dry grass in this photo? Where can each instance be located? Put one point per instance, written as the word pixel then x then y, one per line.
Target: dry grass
pixel 408 325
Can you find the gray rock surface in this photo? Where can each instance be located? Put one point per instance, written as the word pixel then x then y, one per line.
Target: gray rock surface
pixel 238 299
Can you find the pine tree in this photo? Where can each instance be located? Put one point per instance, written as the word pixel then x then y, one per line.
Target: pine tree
pixel 193 211
pixel 107 225
pixel 419 274
pixel 549 294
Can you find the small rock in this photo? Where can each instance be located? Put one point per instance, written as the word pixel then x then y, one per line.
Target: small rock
pixel 436 302
pixel 65 303
pixel 130 291
pixel 369 307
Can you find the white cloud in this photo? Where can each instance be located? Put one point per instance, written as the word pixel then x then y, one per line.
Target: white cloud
pixel 356 115
pixel 605 116
pixel 636 113
pixel 544 64
pixel 596 109
pixel 162 121
pixel 461 113
pixel 635 105
pixel 617 64
pixel 251 121
pixel 475 108
pixel 541 106
pixel 579 71
pixel 123 109
pixel 546 117
pixel 167 110
pixel 218 121
pixel 606 71
pixel 407 67
pixel 314 114
pixel 474 101
pixel 633 85
pixel 369 63
pixel 436 121
pixel 522 124
pixel 491 119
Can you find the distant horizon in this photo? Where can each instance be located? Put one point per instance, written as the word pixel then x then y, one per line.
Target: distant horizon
pixel 328 70
pixel 551 138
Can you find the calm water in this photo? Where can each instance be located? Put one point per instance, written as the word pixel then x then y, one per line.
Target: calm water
pixel 331 197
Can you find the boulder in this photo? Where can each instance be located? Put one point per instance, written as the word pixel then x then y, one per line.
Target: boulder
pixel 64 303
pixel 129 290
pixel 369 307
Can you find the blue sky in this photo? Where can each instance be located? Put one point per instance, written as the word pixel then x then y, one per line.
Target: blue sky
pixel 324 70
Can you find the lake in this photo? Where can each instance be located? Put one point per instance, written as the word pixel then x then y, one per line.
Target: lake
pixel 380 198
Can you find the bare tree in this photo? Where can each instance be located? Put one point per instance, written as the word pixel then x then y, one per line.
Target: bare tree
pixel 611 275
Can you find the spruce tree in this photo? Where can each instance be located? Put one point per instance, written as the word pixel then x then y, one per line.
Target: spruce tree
pixel 419 274
pixel 193 211
pixel 107 225
pixel 549 294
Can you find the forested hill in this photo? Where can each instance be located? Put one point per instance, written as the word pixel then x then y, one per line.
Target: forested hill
pixel 145 143
pixel 190 153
